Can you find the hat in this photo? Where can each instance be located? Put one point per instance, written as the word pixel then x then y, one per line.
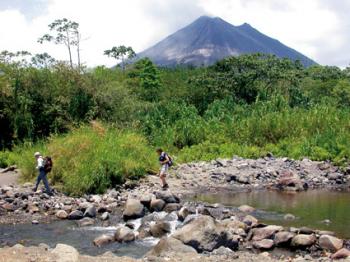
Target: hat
pixel 37 154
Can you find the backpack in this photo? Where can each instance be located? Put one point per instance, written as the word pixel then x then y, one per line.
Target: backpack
pixel 48 164
pixel 162 158
pixel 170 163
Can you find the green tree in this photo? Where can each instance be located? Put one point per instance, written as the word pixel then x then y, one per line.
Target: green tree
pixel 43 60
pixel 121 52
pixel 149 81
pixel 64 32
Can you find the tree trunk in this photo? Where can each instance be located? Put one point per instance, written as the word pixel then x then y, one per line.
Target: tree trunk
pixel 78 50
pixel 69 50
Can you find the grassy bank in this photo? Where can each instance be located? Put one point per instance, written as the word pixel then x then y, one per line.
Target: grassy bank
pixel 90 159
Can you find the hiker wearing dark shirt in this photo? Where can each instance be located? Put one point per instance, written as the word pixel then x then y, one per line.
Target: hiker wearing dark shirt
pixel 165 162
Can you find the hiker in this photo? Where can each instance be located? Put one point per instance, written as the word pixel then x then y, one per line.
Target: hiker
pixel 42 173
pixel 165 162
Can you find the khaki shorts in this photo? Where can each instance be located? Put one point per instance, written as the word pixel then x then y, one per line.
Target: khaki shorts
pixel 164 169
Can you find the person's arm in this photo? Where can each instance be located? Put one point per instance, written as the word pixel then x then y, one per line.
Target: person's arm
pixel 40 163
pixel 166 160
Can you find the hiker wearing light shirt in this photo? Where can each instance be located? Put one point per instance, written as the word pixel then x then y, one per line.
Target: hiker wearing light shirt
pixel 42 173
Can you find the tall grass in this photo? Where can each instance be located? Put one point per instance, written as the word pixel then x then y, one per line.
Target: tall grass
pixel 91 159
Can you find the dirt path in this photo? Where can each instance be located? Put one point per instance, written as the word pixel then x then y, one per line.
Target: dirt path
pixel 9 178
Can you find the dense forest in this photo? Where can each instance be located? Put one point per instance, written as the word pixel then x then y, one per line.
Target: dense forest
pixel 101 125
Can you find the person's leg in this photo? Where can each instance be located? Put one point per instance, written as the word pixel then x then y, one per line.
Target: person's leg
pixel 46 183
pixel 37 182
pixel 163 174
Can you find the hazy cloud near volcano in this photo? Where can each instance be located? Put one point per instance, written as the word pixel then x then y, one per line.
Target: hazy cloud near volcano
pixel 318 28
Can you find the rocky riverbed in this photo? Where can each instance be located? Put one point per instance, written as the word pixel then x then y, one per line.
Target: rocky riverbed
pixel 139 210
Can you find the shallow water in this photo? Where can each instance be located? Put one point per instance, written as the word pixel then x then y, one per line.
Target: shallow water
pixel 310 207
pixel 67 232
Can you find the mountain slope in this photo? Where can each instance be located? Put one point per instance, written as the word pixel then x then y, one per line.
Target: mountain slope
pixel 208 40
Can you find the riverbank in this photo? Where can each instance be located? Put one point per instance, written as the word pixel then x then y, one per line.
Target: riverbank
pixel 169 214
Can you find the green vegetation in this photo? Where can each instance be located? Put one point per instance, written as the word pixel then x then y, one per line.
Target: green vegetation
pixel 91 159
pixel 247 106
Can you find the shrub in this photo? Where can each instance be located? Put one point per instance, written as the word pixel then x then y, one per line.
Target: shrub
pixel 91 159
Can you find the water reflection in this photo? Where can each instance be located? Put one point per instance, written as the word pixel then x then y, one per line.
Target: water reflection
pixel 311 207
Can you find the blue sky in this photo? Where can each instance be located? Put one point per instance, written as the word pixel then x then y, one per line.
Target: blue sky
pixel 318 28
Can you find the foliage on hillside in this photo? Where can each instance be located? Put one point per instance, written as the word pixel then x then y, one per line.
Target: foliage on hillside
pixel 247 105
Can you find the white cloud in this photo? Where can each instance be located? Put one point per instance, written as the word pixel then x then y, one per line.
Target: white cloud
pixel 314 27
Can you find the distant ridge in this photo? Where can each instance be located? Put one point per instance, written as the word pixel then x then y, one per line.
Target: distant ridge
pixel 208 40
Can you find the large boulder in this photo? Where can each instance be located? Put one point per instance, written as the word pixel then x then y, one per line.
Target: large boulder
pixel 103 240
pixel 204 234
pixel 183 213
pixel 61 214
pixel 172 207
pixel 133 209
pixel 65 253
pixel 289 180
pixel 250 221
pixel 157 205
pixel 246 209
pixel 330 243
pixel 124 234
pixel 86 221
pixel 160 228
pixel 340 254
pixel 90 212
pixel 75 215
pixel 283 238
pixel 167 196
pixel 265 232
pixel 303 240
pixel 146 200
pixel 169 245
pixel 263 244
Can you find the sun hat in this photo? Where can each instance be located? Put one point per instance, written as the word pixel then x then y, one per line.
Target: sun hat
pixel 37 154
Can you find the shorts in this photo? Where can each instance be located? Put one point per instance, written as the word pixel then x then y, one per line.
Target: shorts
pixel 164 169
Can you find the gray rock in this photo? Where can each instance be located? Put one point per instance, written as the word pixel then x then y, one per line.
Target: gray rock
pixel 146 200
pixel 250 221
pixel 283 238
pixel 75 215
pixel 61 214
pixel 303 240
pixel 65 253
pixel 172 207
pixel 306 230
pixel 263 244
pixel 167 196
pixel 204 234
pixel 124 234
pixel 289 217
pixel 86 221
pixel 265 232
pixel 90 212
pixel 340 254
pixel 103 240
pixel 183 213
pixel 105 216
pixel 160 228
pixel 330 243
pixel 157 205
pixel 168 245
pixel 246 209
pixel 133 209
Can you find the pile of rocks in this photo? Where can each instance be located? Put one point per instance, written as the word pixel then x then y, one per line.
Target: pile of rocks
pixel 156 212
pixel 15 201
pixel 268 172
pixel 205 234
